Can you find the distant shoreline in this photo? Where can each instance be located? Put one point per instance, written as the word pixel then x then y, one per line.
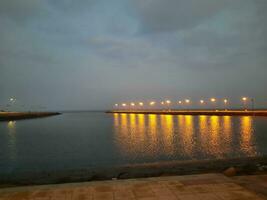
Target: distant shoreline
pixel 195 112
pixel 9 116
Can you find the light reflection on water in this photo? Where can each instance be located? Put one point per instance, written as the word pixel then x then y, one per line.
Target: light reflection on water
pixel 184 137
pixel 11 130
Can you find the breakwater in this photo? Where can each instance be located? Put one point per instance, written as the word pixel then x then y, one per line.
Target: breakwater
pixel 195 112
pixel 9 116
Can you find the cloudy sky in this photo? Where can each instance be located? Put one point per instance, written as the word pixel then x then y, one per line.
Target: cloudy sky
pixel 89 54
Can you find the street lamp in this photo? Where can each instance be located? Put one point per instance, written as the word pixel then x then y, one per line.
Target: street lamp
pixel 187 101
pixel 225 101
pixel 244 99
pixel 12 99
pixel 152 103
pixel 168 102
pixel 213 100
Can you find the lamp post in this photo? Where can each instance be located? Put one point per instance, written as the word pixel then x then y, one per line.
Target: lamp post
pixel 252 104
pixel 187 101
pixel 152 103
pixel 244 99
pixel 225 101
pixel 141 104
pixel 124 105
pixel 180 103
pixel 168 102
pixel 202 102
pixel 213 100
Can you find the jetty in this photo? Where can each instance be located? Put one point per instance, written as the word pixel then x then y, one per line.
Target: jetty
pixel 195 112
pixel 10 116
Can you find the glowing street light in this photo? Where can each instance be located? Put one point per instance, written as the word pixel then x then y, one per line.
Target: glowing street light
pixel 124 105
pixel 152 103
pixel 225 101
pixel 141 103
pixel 132 104
pixel 12 99
pixel 168 101
pixel 179 102
pixel 202 101
pixel 187 101
pixel 244 99
pixel 116 105
pixel 162 103
pixel 212 99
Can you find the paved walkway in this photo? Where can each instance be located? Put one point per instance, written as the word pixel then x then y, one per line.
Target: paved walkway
pixel 192 187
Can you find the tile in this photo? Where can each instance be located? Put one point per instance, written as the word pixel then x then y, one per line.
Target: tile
pixel 103 196
pixel 198 197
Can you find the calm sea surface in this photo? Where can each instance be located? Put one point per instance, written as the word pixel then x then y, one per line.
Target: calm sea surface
pixel 90 140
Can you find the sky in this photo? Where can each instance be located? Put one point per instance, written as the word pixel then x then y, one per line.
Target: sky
pixel 91 54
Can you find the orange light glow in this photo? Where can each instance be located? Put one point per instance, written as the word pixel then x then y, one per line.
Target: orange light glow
pixel 141 103
pixel 201 101
pixel 168 101
pixel 244 98
pixel 152 103
pixel 180 102
pixel 225 101
pixel 212 99
pixel 162 103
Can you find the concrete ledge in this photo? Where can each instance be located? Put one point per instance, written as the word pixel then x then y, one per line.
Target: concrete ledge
pixel 243 166
pixel 195 112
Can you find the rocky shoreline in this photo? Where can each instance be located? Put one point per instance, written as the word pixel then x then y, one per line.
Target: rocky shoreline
pixel 249 165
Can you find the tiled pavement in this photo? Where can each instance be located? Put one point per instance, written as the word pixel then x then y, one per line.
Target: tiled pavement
pixel 192 187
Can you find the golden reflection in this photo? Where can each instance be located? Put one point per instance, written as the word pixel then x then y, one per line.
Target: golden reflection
pixel 246 136
pixel 167 133
pixel 152 140
pixel 203 132
pixel 133 124
pixel 214 139
pixel 141 123
pixel 116 119
pixel 186 132
pixel 215 135
pixel 11 126
pixel 227 129
pixel 150 136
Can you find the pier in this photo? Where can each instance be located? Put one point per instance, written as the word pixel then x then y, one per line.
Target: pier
pixel 195 112
pixel 9 116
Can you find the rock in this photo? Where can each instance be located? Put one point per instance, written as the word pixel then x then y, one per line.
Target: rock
pixel 231 171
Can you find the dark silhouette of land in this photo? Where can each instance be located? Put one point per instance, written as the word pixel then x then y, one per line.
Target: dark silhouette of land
pixel 9 116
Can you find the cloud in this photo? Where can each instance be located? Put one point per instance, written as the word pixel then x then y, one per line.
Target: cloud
pixel 169 15
pixel 88 54
pixel 21 10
